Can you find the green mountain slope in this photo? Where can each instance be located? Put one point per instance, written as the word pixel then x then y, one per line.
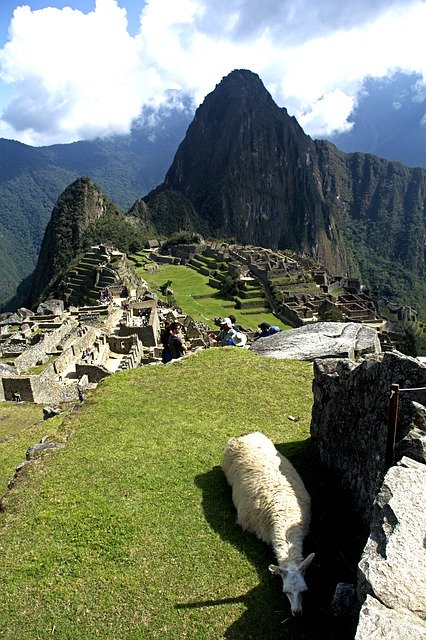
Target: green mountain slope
pixel 32 179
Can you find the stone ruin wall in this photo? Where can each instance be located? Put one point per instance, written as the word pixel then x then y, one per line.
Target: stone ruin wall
pixel 41 389
pixel 83 339
pixel 350 417
pixel 350 425
pixel 39 352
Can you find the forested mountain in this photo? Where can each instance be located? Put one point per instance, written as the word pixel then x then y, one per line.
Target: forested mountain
pixel 247 170
pixel 32 179
pixel 244 170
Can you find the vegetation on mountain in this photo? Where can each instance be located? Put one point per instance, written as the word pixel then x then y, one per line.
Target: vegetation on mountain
pixel 181 237
pixel 32 179
pixel 251 173
pixel 130 531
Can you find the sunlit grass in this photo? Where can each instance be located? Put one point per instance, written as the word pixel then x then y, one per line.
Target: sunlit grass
pixel 187 282
pixel 130 531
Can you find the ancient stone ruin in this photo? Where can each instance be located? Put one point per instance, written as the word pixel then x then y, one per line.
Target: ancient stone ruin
pixel 353 423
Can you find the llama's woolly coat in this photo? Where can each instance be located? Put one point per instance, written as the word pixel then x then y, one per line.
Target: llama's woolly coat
pixel 269 495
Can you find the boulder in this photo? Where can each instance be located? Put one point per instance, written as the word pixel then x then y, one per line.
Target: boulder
pixel 320 340
pixel 50 412
pixel 345 601
pixel 413 445
pixel 392 566
pixel 51 308
pixel 24 313
pixel 377 621
pixel 37 450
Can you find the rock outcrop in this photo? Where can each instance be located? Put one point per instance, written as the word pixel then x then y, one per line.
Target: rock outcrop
pixel 377 621
pixel 320 340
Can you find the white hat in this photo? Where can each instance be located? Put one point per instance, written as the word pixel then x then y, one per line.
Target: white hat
pixel 226 321
pixel 239 339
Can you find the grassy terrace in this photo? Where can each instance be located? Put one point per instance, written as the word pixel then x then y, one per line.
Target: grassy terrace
pixel 129 532
pixel 187 282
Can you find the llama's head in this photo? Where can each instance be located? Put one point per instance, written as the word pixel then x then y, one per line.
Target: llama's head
pixel 294 584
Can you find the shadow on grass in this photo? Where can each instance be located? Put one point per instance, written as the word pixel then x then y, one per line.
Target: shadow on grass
pixel 335 538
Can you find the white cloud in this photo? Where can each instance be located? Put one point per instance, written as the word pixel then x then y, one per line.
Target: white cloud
pixel 81 75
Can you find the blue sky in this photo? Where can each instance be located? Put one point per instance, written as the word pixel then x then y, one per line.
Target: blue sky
pixel 79 69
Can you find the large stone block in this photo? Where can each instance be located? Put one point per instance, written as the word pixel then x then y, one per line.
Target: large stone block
pixel 350 418
pixel 392 566
pixel 320 340
pixel 378 622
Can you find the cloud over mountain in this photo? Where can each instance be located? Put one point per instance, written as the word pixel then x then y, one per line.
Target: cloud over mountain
pixel 80 75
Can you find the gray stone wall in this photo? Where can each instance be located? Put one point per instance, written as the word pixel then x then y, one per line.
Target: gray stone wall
pixel 350 417
pixel 18 384
pixel 38 352
pixel 74 347
pixel 95 373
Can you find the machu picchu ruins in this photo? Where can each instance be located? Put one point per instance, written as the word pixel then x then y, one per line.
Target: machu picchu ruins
pixel 105 319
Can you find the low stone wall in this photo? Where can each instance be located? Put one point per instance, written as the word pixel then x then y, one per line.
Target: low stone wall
pixel 122 344
pixel 21 385
pixel 95 373
pixel 42 389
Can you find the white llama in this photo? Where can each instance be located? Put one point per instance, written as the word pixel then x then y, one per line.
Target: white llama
pixel 271 502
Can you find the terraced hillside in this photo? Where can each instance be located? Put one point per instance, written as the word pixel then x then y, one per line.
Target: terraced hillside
pixel 92 273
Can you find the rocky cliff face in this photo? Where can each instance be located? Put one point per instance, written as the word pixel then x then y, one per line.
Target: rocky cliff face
pixel 251 173
pixel 79 206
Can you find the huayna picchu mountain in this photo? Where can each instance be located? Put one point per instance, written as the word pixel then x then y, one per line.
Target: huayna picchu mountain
pixel 82 216
pixel 246 170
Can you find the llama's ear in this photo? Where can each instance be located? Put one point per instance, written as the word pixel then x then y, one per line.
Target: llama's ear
pixel 305 564
pixel 277 570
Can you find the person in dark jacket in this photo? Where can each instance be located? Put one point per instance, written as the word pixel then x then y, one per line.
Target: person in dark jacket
pixel 176 346
pixel 266 330
pixel 166 355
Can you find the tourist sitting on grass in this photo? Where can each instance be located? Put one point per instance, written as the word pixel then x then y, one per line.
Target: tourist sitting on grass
pixel 266 330
pixel 224 337
pixel 229 336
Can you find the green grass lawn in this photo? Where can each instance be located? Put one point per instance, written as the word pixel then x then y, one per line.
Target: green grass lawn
pixel 187 282
pixel 129 532
pixel 21 425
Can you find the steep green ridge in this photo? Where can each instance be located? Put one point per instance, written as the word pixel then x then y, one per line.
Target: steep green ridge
pixel 251 173
pixel 130 533
pixel 82 216
pixel 32 179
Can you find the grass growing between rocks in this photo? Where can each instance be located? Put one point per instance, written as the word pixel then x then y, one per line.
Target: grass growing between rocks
pixel 21 425
pixel 129 532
